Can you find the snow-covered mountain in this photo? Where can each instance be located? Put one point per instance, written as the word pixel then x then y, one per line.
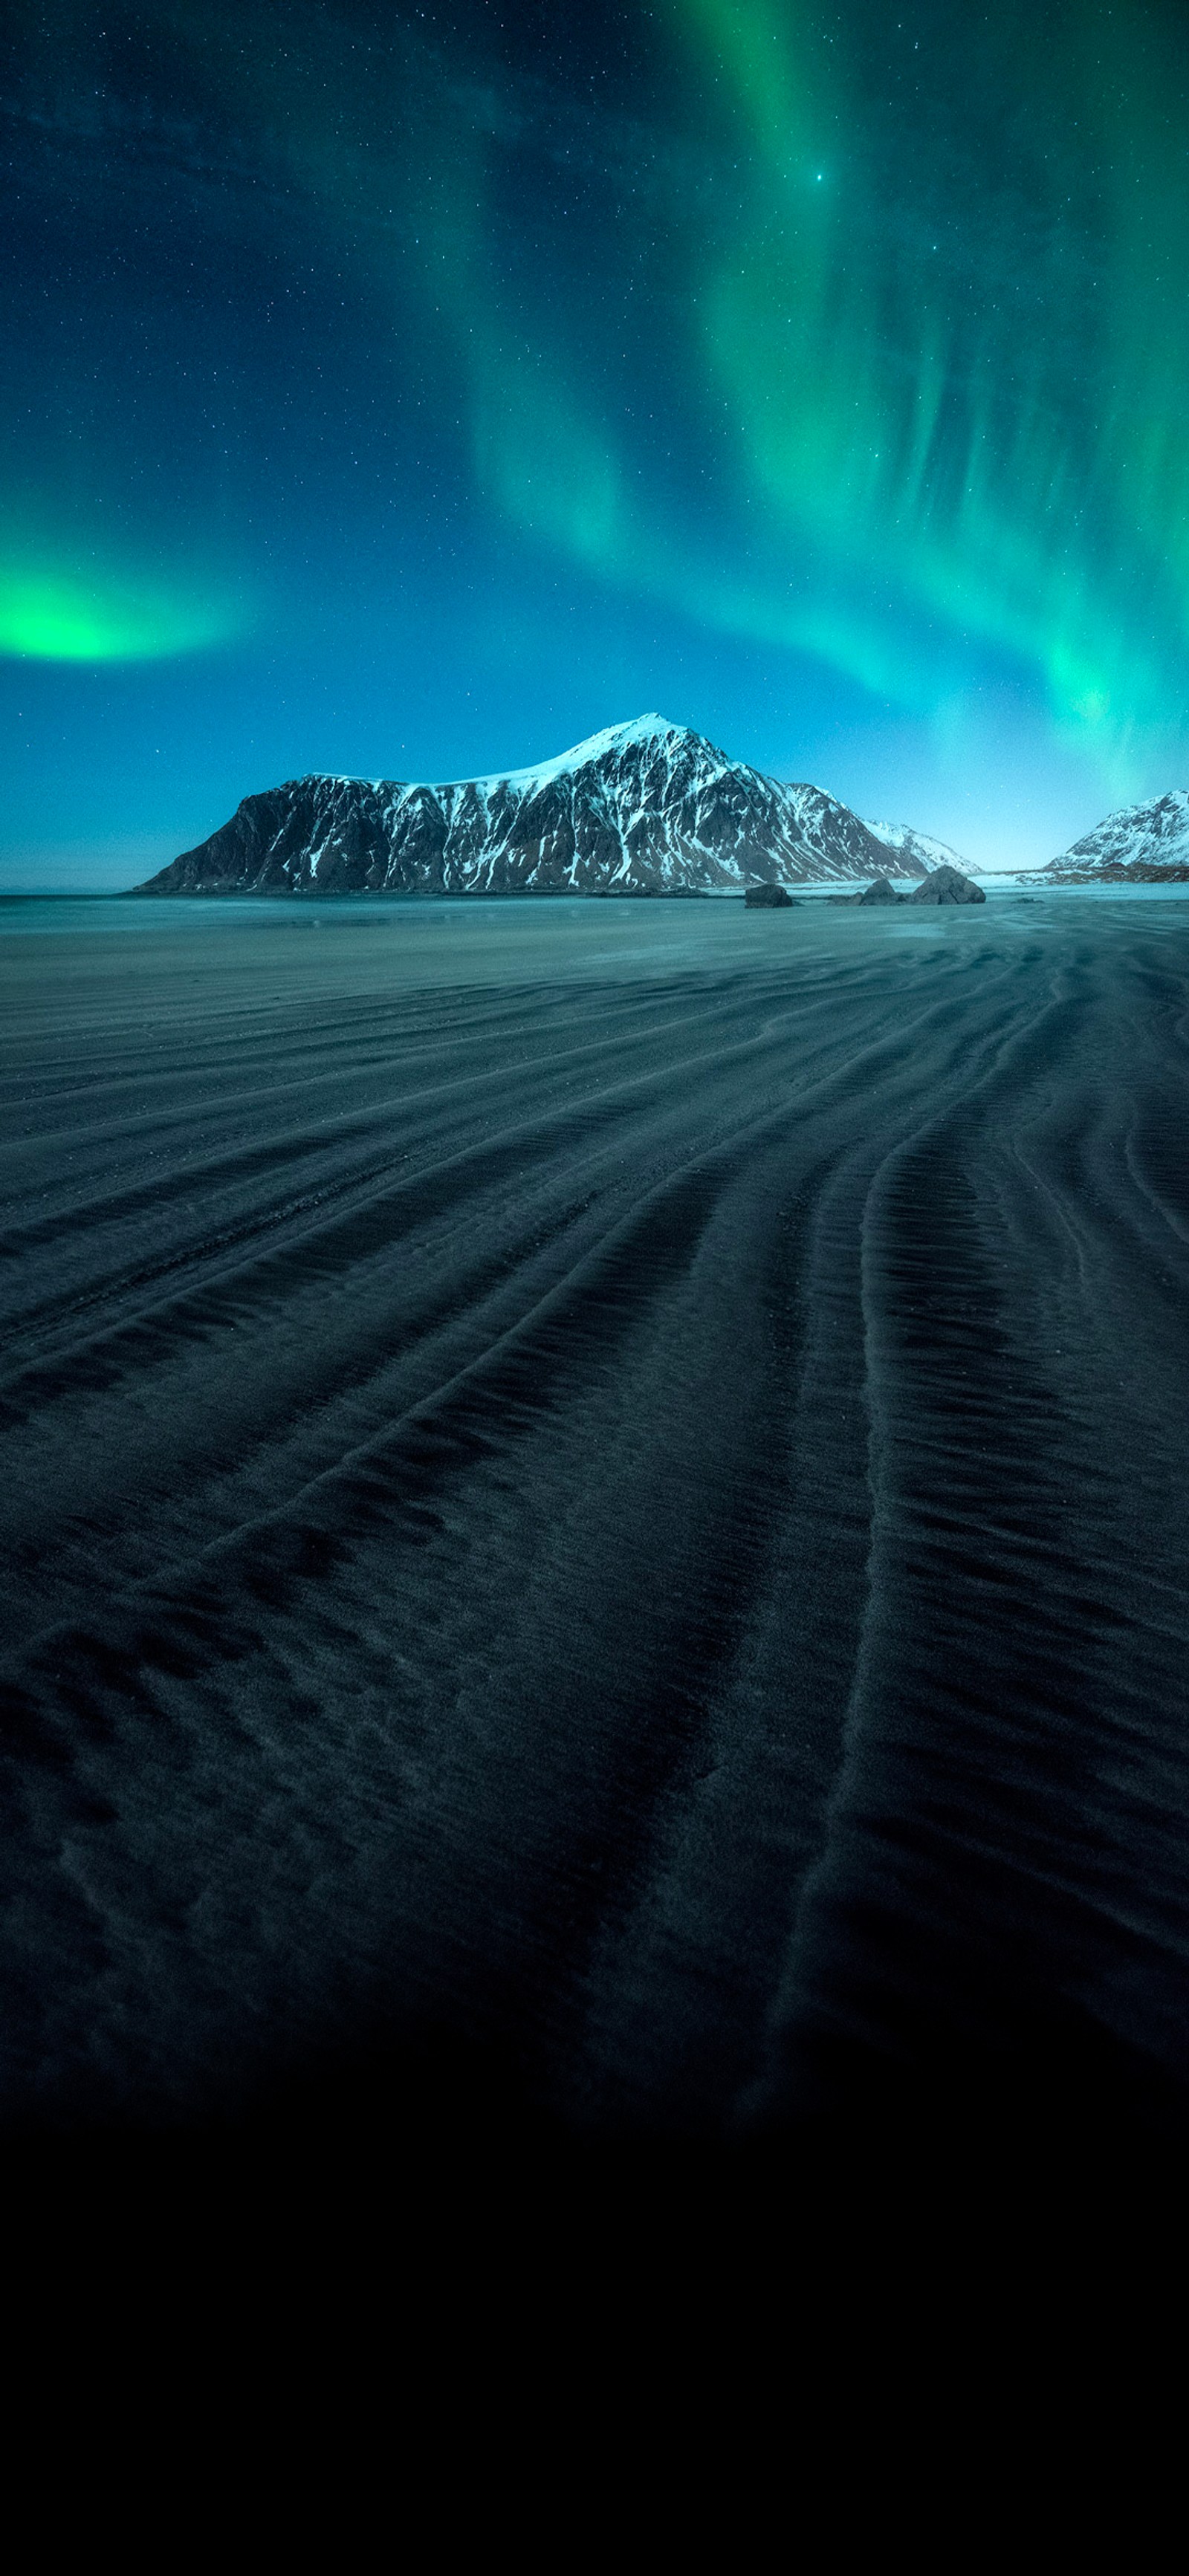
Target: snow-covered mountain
pixel 919 847
pixel 1146 843
pixel 644 808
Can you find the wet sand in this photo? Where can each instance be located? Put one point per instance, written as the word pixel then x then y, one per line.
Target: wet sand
pixel 595 1492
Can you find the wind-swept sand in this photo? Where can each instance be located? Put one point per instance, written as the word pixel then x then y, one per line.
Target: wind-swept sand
pixel 601 1485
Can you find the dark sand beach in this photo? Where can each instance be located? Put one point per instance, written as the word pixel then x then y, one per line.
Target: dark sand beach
pixel 595 1495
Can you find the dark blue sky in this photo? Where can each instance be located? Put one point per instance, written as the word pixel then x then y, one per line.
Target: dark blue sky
pixel 413 391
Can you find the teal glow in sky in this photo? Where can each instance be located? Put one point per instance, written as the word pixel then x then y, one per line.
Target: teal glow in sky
pixel 415 391
pixel 54 611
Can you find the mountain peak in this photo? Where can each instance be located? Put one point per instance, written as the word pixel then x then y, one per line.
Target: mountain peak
pixel 1142 841
pixel 617 737
pixel 610 743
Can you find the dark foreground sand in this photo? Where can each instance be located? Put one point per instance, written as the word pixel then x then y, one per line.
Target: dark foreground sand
pixel 595 1494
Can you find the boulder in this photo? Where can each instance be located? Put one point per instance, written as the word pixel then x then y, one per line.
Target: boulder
pixel 879 891
pixel 767 898
pixel 947 885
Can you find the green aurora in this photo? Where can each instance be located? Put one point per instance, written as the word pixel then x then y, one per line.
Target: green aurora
pixel 956 416
pixel 66 617
pixel 848 337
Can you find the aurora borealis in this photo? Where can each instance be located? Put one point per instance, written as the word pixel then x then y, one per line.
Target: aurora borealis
pixel 414 391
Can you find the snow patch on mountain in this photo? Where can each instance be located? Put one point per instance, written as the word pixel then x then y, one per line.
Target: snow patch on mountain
pixel 613 739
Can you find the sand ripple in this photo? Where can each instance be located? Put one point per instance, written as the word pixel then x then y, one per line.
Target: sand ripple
pixel 615 1495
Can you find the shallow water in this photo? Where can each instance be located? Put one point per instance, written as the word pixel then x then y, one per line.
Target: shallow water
pixel 607 1481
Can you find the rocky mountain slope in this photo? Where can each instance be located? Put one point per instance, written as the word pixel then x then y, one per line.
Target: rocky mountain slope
pixel 644 808
pixel 917 852
pixel 1147 844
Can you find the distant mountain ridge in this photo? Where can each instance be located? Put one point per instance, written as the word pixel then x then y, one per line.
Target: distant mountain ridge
pixel 918 847
pixel 642 808
pixel 1146 844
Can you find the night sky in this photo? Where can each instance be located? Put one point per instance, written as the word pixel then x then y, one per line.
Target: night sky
pixel 414 391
